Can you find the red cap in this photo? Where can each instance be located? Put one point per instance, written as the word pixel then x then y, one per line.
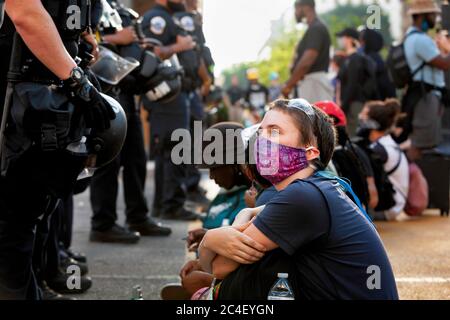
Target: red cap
pixel 333 110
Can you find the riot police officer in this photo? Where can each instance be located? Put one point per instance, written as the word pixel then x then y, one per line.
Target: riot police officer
pixel 170 189
pixel 37 165
pixel 133 159
pixel 197 83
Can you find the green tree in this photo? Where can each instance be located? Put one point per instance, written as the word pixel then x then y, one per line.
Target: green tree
pixel 345 16
pixel 283 48
pixel 282 51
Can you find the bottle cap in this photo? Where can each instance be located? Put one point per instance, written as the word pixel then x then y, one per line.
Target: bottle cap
pixel 283 275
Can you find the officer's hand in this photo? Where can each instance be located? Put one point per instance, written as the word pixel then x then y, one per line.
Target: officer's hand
pixel 125 37
pixel 89 38
pixel 185 43
pixel 97 112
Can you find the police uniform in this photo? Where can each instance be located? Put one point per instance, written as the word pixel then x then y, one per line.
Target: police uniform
pixel 170 190
pixel 191 23
pixel 133 159
pixel 54 237
pixel 36 175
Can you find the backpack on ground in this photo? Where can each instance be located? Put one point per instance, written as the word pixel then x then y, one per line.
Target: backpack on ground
pixel 397 64
pixel 417 199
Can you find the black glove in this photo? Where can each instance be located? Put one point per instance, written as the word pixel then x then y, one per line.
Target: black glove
pixel 96 110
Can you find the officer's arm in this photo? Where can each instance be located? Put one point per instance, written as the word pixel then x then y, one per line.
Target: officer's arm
pixel 204 76
pixel 302 67
pixel 40 35
pixel 184 43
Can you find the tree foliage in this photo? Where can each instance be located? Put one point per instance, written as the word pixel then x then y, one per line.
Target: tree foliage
pixel 282 49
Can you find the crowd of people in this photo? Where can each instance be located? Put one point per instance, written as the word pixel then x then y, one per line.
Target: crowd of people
pixel 337 119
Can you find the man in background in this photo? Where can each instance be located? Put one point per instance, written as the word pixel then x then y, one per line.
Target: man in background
pixel 312 58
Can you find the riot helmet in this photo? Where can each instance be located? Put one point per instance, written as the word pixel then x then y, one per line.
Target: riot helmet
pixel 105 146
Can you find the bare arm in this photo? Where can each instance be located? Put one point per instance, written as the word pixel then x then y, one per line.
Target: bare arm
pixel 222 267
pixel 184 43
pixel 373 192
pixel 441 62
pixel 232 243
pixel 301 69
pixel 34 24
pixel 204 76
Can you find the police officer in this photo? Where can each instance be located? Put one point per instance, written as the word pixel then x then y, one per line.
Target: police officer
pixel 133 159
pixel 196 82
pixel 38 171
pixel 170 189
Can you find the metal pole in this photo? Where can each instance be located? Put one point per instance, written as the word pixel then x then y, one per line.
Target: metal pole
pixel 13 78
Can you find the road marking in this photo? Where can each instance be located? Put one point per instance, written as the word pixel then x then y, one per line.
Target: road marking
pixel 423 280
pixel 409 280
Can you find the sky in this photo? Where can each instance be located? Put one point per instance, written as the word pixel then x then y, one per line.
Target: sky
pixel 236 30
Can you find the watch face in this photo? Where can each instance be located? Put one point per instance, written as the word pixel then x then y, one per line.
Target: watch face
pixel 77 74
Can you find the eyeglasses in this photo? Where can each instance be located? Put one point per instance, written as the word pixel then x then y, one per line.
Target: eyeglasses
pixel 304 106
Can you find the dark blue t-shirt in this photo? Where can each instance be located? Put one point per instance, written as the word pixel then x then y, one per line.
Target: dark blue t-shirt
pixel 334 246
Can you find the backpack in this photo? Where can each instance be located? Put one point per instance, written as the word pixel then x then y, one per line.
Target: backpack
pixel 226 205
pixel 350 167
pixel 370 84
pixel 417 199
pixel 386 191
pixel 397 65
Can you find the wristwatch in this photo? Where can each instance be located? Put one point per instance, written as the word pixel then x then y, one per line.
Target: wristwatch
pixel 75 78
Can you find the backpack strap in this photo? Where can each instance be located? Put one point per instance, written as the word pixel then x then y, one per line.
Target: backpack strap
pixel 347 188
pixel 413 74
pixel 391 172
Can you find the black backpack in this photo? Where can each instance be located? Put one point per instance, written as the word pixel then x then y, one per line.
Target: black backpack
pixel 398 67
pixel 384 186
pixel 348 166
pixel 369 82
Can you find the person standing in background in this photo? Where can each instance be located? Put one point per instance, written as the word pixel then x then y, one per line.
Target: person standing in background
pixel 233 100
pixel 275 88
pixel 351 78
pixel 312 59
pixel 257 94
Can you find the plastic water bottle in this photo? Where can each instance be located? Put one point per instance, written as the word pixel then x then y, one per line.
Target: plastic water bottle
pixel 281 290
pixel 137 293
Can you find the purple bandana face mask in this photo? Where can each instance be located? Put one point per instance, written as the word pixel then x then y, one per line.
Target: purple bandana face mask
pixel 276 162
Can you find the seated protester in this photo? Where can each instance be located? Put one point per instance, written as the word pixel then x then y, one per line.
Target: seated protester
pixel 230 177
pixel 329 243
pixel 349 160
pixel 236 179
pixel 377 121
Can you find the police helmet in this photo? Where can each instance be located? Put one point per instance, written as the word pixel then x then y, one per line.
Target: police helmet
pixel 106 145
